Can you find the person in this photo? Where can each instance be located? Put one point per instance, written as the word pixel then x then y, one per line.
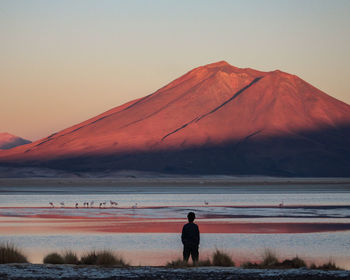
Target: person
pixel 190 239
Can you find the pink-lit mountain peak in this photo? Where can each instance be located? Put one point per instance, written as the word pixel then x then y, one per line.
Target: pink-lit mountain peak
pixel 211 105
pixel 8 141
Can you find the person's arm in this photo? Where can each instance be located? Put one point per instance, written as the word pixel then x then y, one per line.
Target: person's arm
pixel 183 235
pixel 198 235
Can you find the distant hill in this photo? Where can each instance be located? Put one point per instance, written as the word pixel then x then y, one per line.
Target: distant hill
pixel 215 119
pixel 8 141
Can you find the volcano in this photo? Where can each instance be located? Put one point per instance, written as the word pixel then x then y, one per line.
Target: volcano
pixel 215 119
pixel 8 141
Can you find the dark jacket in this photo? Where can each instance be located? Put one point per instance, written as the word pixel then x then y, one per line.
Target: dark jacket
pixel 190 235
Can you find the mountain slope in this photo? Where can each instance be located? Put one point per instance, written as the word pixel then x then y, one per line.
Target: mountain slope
pixel 214 119
pixel 8 141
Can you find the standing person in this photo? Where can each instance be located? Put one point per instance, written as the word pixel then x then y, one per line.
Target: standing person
pixel 190 239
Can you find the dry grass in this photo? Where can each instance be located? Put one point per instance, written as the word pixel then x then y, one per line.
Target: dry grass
pixel 327 266
pixel 177 264
pixel 206 262
pixel 89 258
pixel 269 259
pixel 53 258
pixel 249 265
pixel 70 257
pixel 102 258
pixel 219 258
pixel 222 259
pixel 293 263
pixel 181 263
pixel 107 258
pixel 9 253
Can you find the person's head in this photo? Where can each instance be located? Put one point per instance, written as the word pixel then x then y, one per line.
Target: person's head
pixel 191 216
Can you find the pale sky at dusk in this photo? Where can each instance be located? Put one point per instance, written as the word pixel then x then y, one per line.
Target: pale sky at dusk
pixel 62 62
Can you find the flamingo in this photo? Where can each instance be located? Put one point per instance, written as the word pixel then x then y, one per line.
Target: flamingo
pixel 113 203
pixel 51 204
pixel 100 205
pixel 281 205
pixel 76 205
pixel 62 204
pixel 206 202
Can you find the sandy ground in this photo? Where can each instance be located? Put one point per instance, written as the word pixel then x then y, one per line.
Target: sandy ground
pixel 35 271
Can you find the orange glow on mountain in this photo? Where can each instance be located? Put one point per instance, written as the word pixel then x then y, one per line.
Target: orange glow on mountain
pixel 210 106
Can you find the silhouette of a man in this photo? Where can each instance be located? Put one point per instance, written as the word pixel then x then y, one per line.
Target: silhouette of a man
pixel 190 239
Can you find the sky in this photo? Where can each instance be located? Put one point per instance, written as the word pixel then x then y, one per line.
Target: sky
pixel 62 62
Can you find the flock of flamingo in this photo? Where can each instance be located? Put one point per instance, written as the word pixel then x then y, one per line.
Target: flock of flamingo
pixel 113 204
pixel 91 204
pixel 102 205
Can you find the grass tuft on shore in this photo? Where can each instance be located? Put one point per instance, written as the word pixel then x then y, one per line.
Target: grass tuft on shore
pixel 294 263
pixel 222 259
pixel 177 264
pixel 269 259
pixel 326 266
pixel 70 257
pixel 9 253
pixel 249 265
pixel 206 262
pixel 102 258
pixel 108 258
pixel 89 258
pixel 219 258
pixel 53 258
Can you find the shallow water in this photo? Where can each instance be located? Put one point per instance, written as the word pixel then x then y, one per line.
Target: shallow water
pixel 248 197
pixel 22 209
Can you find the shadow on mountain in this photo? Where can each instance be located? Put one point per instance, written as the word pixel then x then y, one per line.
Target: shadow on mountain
pixel 16 142
pixel 323 153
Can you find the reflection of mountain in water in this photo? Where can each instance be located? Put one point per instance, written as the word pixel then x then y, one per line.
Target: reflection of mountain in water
pixel 216 119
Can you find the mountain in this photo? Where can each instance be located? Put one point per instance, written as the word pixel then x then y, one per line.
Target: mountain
pixel 8 141
pixel 215 119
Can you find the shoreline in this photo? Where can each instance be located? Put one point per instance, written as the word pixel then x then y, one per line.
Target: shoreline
pixel 67 272
pixel 170 180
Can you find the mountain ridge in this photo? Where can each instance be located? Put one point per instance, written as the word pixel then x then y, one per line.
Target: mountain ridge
pixel 208 107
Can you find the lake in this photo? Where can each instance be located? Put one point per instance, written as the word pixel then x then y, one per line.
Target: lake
pixel 311 221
